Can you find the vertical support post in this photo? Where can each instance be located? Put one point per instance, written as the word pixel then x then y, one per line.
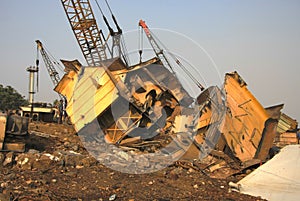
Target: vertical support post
pixel 31 70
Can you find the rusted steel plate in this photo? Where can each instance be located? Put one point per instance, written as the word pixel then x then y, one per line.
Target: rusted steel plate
pixel 245 119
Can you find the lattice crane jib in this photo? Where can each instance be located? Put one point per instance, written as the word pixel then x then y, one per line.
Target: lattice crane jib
pixel 54 75
pixel 89 37
pixel 48 63
pixel 158 51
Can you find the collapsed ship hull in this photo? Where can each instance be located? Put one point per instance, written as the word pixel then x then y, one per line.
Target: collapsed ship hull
pixel 146 102
pixel 135 102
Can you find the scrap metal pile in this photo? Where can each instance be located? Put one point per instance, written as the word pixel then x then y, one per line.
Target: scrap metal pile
pixel 146 109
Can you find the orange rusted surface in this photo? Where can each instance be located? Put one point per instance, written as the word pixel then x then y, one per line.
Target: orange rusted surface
pixel 245 118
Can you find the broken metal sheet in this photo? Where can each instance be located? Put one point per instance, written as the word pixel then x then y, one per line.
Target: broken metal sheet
pixel 267 139
pixel 155 93
pixel 245 120
pixel 126 102
pixel 285 122
pixel 89 92
pixel 211 114
pixel 274 111
pixel 180 123
pixel 162 78
pixel 74 65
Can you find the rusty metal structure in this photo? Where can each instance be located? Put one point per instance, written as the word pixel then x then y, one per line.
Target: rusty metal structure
pixel 247 129
pixel 121 99
pixel 145 103
pixel 287 128
pixel 89 37
pixel 244 128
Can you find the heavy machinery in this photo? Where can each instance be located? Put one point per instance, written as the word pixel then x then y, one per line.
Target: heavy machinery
pixel 93 44
pixel 13 130
pixel 139 105
pixel 54 75
pixel 48 63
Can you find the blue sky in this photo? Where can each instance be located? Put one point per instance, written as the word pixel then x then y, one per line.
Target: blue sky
pixel 259 39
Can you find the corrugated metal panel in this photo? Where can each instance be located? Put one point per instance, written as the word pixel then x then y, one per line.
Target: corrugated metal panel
pixel 292 122
pixel 93 93
pixel 286 123
pixel 89 91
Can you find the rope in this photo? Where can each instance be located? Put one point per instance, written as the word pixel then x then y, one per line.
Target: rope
pixel 125 50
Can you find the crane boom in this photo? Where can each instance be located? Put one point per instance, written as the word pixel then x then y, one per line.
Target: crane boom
pixel 158 51
pixel 90 39
pixel 48 63
pixel 50 68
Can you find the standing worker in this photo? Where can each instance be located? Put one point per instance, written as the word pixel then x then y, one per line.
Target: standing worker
pixel 298 135
pixel 61 111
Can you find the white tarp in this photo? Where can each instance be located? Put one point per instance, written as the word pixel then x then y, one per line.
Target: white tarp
pixel 278 179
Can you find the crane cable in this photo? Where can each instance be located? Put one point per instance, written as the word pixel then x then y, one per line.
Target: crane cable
pixel 124 47
pixel 108 7
pixel 141 43
pixel 122 41
pixel 54 60
pixel 114 19
pixel 111 31
pixel 99 7
pixel 122 44
pixel 187 72
pixel 37 62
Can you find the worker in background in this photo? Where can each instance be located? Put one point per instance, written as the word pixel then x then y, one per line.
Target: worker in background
pixel 61 111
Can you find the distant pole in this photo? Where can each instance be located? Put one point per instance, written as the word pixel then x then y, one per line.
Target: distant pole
pixel 31 70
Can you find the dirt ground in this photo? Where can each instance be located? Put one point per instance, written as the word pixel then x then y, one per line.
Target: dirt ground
pixel 56 166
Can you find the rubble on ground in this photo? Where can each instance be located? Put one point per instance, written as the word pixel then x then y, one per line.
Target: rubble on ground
pixel 50 169
pixel 230 135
